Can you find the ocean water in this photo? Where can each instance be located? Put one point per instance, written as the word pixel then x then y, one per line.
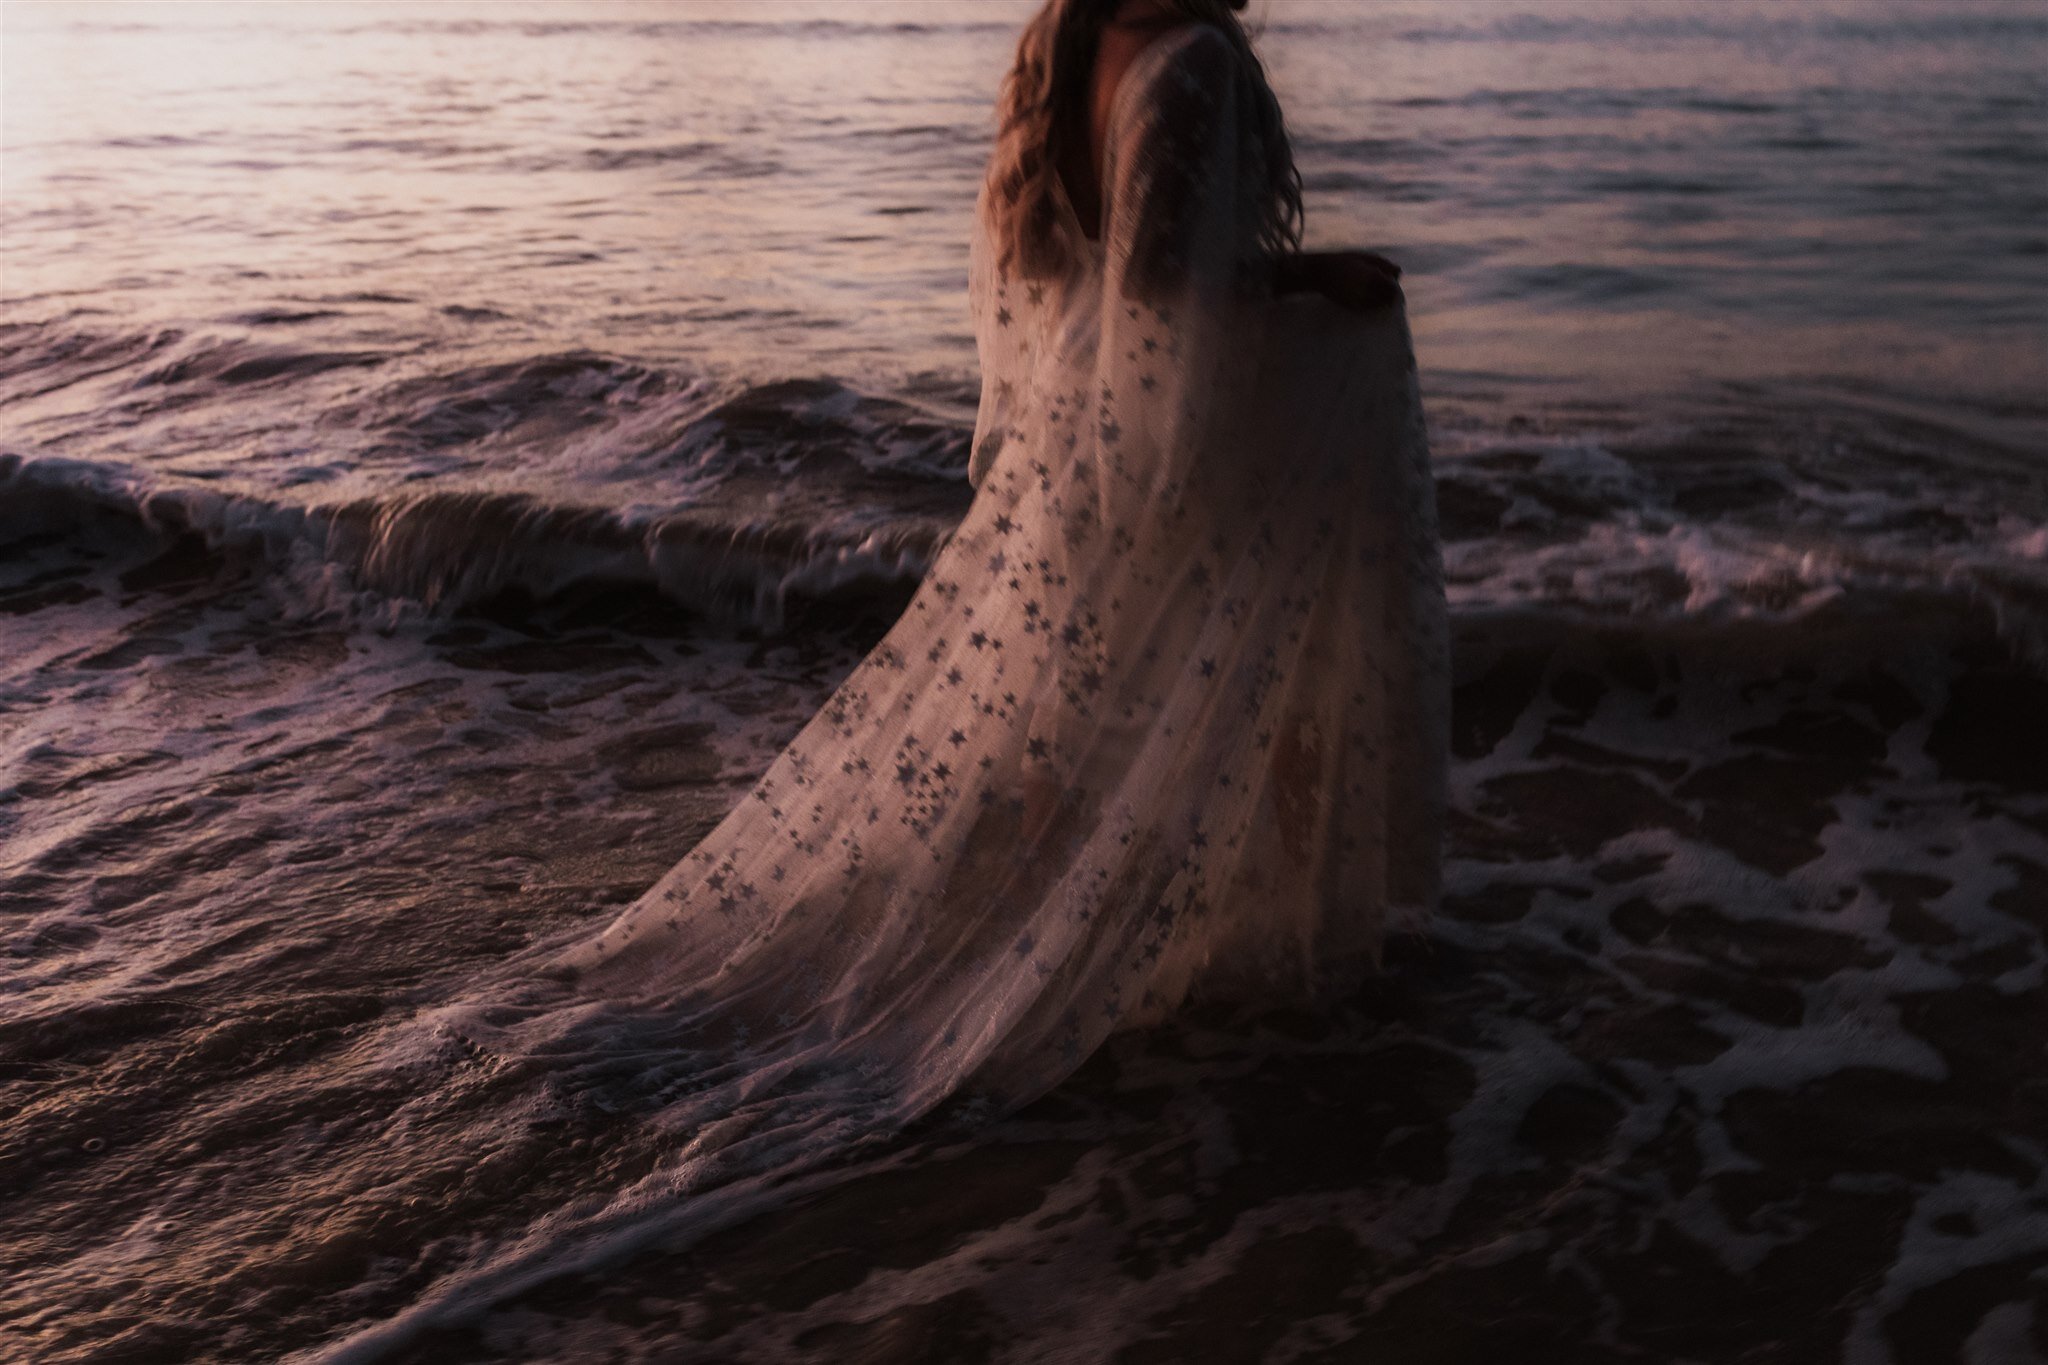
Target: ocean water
pixel 445 450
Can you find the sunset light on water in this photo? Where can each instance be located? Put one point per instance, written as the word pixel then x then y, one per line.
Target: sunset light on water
pixel 449 450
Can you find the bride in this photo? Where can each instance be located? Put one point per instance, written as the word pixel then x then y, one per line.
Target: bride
pixel 1166 719
pixel 1167 716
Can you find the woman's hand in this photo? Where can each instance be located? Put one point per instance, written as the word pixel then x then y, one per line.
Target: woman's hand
pixel 1358 280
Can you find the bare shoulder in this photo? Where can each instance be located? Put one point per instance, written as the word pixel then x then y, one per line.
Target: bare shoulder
pixel 1199 51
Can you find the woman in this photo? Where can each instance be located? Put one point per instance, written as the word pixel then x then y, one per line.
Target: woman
pixel 1166 718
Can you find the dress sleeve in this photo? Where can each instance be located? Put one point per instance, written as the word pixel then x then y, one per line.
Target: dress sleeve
pixel 1187 288
pixel 1185 172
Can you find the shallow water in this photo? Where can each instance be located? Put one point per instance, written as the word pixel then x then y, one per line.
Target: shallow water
pixel 1842 189
pixel 445 451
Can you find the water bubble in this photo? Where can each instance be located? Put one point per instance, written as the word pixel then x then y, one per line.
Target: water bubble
pixel 93 1144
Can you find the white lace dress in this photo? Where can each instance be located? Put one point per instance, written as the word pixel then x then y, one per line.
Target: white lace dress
pixel 1168 715
pixel 1166 718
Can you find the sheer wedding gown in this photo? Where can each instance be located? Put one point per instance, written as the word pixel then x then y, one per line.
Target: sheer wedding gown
pixel 1167 715
pixel 1166 718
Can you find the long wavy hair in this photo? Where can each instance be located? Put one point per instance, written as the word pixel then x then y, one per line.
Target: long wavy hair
pixel 1043 115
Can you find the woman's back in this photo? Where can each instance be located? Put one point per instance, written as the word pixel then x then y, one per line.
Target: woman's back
pixel 1081 168
pixel 1164 124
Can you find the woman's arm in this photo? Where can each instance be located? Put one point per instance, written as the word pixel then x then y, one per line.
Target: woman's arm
pixel 1358 280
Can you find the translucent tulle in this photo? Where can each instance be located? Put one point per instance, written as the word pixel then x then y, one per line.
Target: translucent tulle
pixel 1168 714
pixel 1166 718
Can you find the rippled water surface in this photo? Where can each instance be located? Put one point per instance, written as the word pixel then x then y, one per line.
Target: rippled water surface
pixel 1841 189
pixel 446 449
